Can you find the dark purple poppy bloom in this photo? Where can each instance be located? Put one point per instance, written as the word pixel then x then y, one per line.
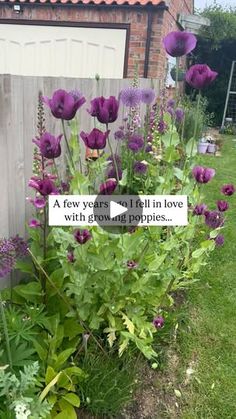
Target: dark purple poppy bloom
pixel 135 142
pixel 147 96
pixel 7 257
pixel 222 205
pixel 170 103
pixel 228 189
pixel 111 173
pixel 177 44
pixel 119 135
pixel 115 157
pixel 34 223
pixel 71 256
pixel 131 264
pixel 96 139
pixel 203 174
pixel 43 186
pixel 82 236
pixel 200 76
pixel 49 145
pixel 219 240
pixel 199 209
pixel 108 187
pixel 140 167
pixel 64 105
pixel 179 115
pixel 131 96
pixel 158 322
pixel 213 219
pixel 105 110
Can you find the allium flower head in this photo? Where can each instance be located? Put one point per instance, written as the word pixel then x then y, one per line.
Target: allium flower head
pixel 131 96
pixel 219 240
pixel 119 135
pixel 64 105
pixel 96 139
pixel 222 205
pixel 213 219
pixel 158 322
pixel 7 257
pixel 199 209
pixel 179 114
pixel 228 189
pixel 111 173
pixel 147 96
pixel 135 142
pixel 177 44
pixel 171 111
pixel 82 236
pixel 108 187
pixel 203 174
pixel 170 103
pixel 49 145
pixel 20 246
pixel 200 76
pixel 140 167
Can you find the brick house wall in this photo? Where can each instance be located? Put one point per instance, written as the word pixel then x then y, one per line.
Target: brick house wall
pixel 163 21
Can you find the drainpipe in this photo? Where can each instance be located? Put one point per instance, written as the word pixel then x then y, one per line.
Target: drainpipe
pixel 148 43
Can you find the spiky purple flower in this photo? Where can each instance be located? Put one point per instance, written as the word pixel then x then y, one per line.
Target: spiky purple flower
pixel 203 174
pixel 179 115
pixel 158 322
pixel 131 96
pixel 228 189
pixel 7 257
pixel 82 236
pixel 219 240
pixel 213 219
pixel 147 96
pixel 135 142
pixel 222 205
pixel 199 209
pixel 177 44
pixel 20 246
pixel 140 167
pixel 111 173
pixel 119 135
pixel 170 103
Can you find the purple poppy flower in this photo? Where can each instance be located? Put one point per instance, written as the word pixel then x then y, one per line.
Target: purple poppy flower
pixel 199 209
pixel 49 145
pixel 43 186
pixel 222 205
pixel 219 240
pixel 105 110
pixel 64 105
pixel 179 115
pixel 96 139
pixel 203 174
pixel 82 236
pixel 170 103
pixel 119 135
pixel 131 264
pixel 213 219
pixel 71 256
pixel 135 142
pixel 140 167
pixel 177 44
pixel 147 96
pixel 108 187
pixel 131 96
pixel 228 189
pixel 200 76
pixel 34 223
pixel 158 322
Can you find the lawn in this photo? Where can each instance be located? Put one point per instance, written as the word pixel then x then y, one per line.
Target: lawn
pixel 207 337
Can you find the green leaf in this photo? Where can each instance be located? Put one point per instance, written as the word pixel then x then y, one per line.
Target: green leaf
pixel 123 181
pixel 191 147
pixel 170 139
pixel 128 323
pixel 31 292
pixel 63 357
pixel 67 414
pixel 50 374
pixel 171 154
pixel 72 328
pixel 42 352
pixel 73 399
pixel 197 253
pixel 178 173
pixel 25 266
pixel 156 263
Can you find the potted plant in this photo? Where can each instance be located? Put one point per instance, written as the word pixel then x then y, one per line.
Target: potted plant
pixel 202 145
pixel 181 74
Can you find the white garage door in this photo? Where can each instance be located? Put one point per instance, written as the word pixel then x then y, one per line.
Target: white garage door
pixel 32 50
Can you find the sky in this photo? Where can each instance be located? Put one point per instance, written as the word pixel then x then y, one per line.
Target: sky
pixel 200 4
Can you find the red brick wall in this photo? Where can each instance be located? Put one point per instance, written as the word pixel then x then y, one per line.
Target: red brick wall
pixel 163 22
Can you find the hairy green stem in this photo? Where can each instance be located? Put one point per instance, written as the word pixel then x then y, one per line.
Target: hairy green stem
pixel 6 335
pixel 67 144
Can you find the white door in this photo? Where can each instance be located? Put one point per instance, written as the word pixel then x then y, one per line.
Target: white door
pixel 31 50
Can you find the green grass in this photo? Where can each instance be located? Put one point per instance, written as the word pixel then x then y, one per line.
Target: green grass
pixel 207 340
